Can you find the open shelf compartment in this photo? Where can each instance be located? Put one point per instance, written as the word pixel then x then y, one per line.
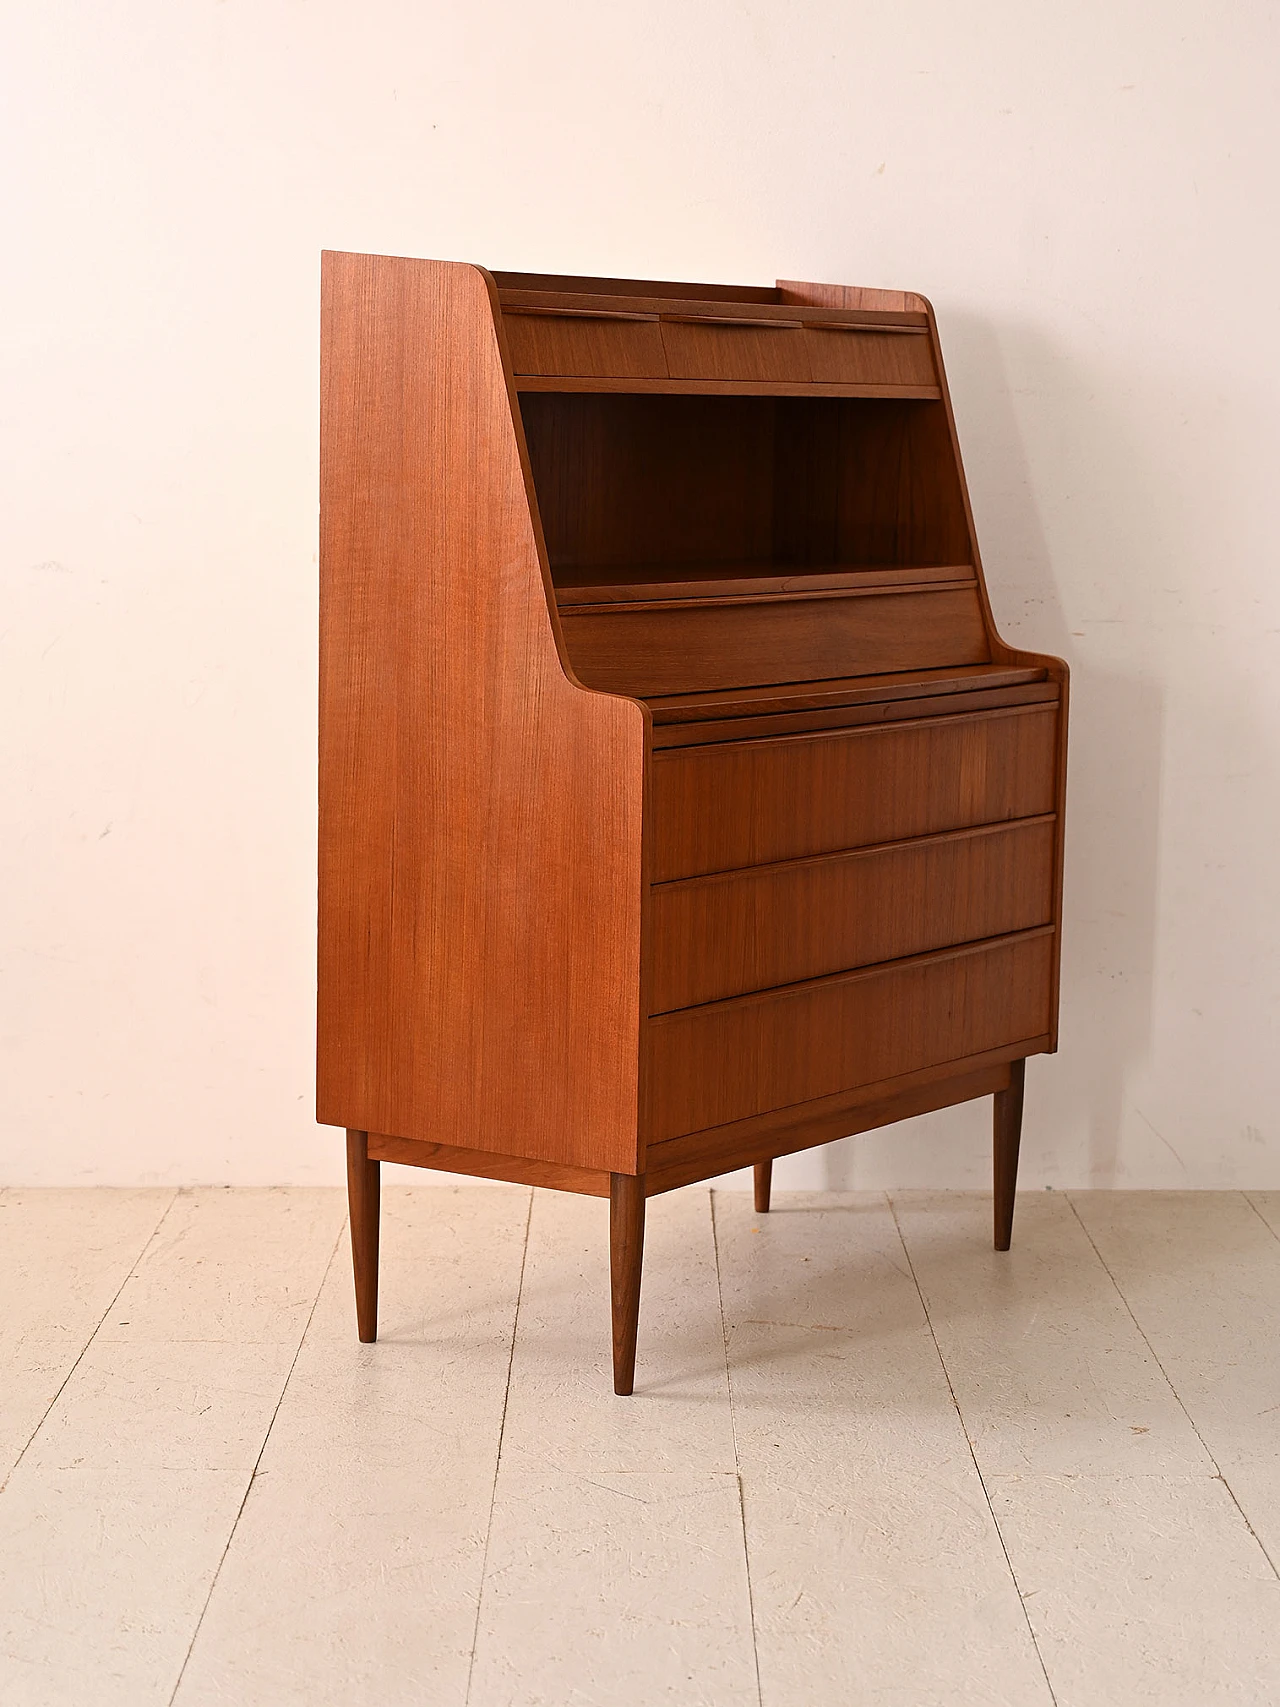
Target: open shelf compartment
pixel 702 543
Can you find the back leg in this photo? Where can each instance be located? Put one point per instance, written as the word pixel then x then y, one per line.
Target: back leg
pixel 764 1185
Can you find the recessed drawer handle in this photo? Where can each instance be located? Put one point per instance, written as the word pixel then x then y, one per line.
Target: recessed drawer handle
pixel 730 320
pixel 844 326
pixel 580 313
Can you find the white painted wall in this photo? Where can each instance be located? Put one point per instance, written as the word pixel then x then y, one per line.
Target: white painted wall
pixel 1087 193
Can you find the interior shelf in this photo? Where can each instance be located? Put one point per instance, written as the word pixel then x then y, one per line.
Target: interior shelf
pixel 529 384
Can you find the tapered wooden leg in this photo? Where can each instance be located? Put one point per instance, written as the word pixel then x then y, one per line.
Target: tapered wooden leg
pixel 626 1248
pixel 363 1196
pixel 764 1184
pixel 1008 1133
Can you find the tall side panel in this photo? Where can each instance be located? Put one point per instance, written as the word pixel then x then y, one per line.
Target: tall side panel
pixel 480 813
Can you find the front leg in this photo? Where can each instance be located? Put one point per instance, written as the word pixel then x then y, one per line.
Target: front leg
pixel 1008 1135
pixel 363 1200
pixel 626 1249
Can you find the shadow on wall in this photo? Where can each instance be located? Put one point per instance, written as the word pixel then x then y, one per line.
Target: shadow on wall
pixel 1013 385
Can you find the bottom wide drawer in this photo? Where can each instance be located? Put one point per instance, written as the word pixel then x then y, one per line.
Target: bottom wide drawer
pixel 729 1060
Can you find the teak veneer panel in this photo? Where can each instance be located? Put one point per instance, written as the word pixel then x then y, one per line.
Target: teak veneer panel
pixel 721 807
pixel 792 292
pixel 486 1164
pixel 841 354
pixel 721 936
pixel 584 345
pixel 729 1060
pixel 702 349
pixel 719 644
pixel 480 814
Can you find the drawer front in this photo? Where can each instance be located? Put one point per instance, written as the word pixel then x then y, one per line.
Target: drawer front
pixel 717 937
pixel 850 357
pixel 704 350
pixel 585 346
pixel 718 808
pixel 697 647
pixel 726 1062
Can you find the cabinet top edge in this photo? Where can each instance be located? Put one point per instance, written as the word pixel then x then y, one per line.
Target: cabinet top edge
pixel 784 291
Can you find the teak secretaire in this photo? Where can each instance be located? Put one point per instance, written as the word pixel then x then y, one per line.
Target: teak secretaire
pixel 680 805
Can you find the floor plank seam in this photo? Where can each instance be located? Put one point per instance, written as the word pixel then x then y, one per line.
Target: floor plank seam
pixel 737 1460
pixel 497 1457
pixel 1275 1234
pixel 964 1427
pixel 97 1329
pixel 253 1474
pixel 1209 1454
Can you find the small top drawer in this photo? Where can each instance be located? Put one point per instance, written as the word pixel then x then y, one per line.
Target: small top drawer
pixel 703 347
pixel 852 355
pixel 577 344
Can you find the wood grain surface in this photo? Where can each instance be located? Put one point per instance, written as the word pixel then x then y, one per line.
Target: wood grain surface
pixel 547 344
pixel 729 1060
pixel 646 649
pixel 721 807
pixel 637 479
pixel 489 1164
pixel 480 813
pixel 721 936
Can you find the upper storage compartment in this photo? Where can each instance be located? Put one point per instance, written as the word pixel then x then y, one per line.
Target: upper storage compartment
pixel 634 488
pixel 742 486
pixel 701 542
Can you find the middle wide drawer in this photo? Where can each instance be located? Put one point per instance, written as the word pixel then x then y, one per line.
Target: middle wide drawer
pixel 724 935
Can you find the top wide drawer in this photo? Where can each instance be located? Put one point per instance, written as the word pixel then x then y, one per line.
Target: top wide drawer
pixel 737 804
pixel 585 346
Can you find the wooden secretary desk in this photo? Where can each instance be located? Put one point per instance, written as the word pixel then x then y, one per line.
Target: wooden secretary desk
pixel 680 805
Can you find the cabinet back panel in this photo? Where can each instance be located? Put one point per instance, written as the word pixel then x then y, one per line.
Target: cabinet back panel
pixel 639 479
pixel 716 937
pixel 731 1060
pixel 866 482
pixel 697 647
pixel 718 808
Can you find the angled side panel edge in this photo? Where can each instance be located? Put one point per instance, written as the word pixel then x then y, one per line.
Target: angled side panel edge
pixel 480 814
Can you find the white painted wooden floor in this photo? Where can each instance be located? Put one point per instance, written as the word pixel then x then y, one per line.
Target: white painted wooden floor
pixel 868 1459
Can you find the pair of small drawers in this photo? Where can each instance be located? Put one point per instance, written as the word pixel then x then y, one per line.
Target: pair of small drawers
pixel 838 909
pixel 586 344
